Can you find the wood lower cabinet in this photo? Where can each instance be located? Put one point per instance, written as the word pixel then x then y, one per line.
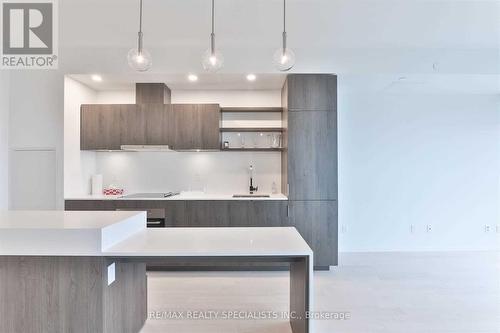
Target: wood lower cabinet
pixel 316 221
pixel 196 126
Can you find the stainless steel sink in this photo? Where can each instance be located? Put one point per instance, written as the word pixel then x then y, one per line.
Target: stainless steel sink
pixel 251 196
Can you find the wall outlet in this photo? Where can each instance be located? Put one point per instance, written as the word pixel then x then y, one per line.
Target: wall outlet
pixel 412 229
pixel 429 228
pixel 487 228
pixel 343 229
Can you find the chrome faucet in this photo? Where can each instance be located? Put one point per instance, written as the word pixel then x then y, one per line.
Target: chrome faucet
pixel 252 188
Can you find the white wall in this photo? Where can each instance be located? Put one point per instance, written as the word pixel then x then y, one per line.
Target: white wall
pixel 417 160
pixel 79 165
pixel 4 138
pixel 213 172
pixel 225 98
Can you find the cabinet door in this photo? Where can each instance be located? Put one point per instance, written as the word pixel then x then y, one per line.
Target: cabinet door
pixel 317 222
pixel 105 126
pixel 98 127
pixel 205 213
pixel 132 125
pixel 175 213
pixel 196 126
pixel 157 122
pixel 312 155
pixel 311 92
pixel 267 213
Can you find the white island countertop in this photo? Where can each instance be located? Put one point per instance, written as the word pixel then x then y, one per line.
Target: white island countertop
pixel 66 233
pixel 213 242
pixel 124 234
pixel 181 196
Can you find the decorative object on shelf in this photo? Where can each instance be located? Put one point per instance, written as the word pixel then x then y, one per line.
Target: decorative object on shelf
pixel 284 57
pixel 225 145
pixel 139 58
pixel 275 140
pixel 212 59
pixel 242 140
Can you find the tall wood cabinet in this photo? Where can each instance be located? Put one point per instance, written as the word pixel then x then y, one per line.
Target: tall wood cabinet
pixel 309 161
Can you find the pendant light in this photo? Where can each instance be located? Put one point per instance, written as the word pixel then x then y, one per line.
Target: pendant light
pixel 139 58
pixel 284 58
pixel 212 59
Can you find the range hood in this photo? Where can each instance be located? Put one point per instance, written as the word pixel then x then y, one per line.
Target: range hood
pixel 151 148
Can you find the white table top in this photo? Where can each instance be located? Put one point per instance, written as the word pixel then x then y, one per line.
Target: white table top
pixel 266 241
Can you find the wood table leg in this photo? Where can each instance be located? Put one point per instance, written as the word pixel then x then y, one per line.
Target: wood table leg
pixel 299 294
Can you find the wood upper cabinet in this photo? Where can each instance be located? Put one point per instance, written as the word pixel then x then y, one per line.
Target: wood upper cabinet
pixel 158 118
pixel 110 126
pixel 312 155
pixel 181 126
pixel 196 126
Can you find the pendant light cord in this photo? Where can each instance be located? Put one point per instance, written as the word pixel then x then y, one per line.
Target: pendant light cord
pixel 212 35
pixel 284 15
pixel 139 35
pixel 284 26
pixel 213 14
pixel 140 16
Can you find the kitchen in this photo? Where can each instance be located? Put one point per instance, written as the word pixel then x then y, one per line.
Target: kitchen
pixel 232 169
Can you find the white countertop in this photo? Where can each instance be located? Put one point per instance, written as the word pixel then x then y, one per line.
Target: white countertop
pixel 122 233
pixel 65 233
pixel 49 219
pixel 201 242
pixel 181 196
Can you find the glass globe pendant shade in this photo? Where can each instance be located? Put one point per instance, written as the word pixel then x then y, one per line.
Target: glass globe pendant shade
pixel 212 61
pixel 139 61
pixel 284 59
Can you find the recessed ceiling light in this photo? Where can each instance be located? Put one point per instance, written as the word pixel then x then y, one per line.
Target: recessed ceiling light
pixel 96 78
pixel 251 77
pixel 192 78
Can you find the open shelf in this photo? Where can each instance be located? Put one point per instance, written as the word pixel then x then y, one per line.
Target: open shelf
pixel 252 109
pixel 251 129
pixel 252 149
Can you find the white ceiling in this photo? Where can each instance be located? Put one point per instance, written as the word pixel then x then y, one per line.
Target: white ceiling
pixel 180 81
pixel 448 43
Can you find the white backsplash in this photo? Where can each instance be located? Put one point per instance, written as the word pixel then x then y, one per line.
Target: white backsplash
pixel 212 172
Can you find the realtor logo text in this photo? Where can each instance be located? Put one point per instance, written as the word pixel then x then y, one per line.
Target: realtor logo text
pixel 29 34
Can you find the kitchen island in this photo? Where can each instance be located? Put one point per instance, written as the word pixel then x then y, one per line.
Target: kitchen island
pixel 86 271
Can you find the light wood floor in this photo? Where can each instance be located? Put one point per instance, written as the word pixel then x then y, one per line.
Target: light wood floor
pixel 383 292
